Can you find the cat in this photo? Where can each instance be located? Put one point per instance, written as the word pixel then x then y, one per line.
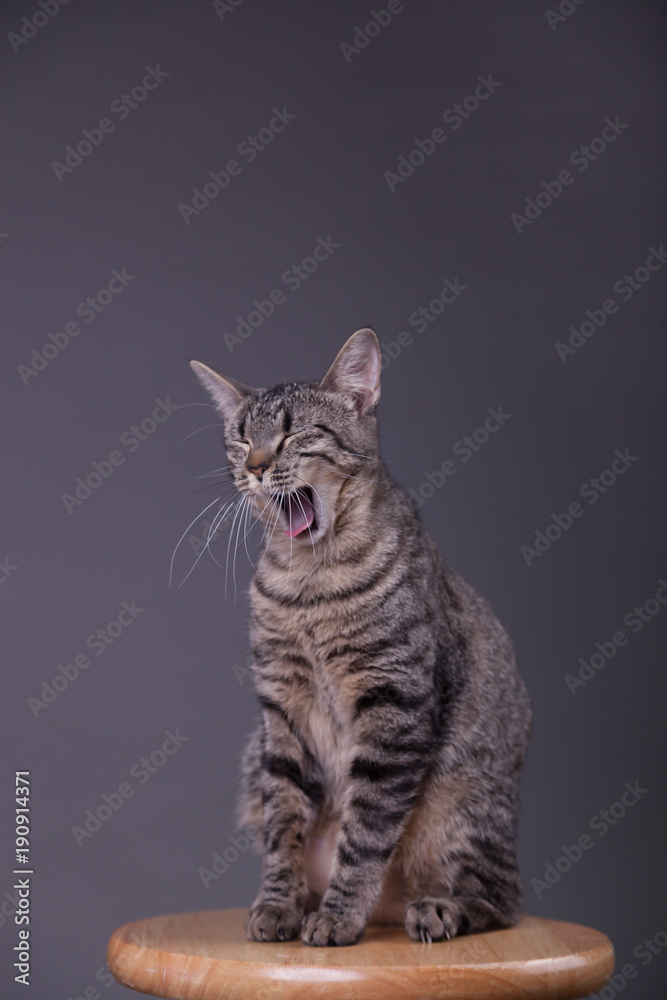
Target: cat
pixel 384 769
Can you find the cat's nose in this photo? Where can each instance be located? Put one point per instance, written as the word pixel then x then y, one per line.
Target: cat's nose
pixel 257 464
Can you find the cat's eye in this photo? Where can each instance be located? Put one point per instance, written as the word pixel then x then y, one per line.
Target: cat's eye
pixel 283 440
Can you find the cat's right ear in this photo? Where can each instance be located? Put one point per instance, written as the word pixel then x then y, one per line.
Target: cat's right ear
pixel 356 370
pixel 227 393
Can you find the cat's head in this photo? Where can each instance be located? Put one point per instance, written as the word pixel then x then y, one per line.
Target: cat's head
pixel 293 448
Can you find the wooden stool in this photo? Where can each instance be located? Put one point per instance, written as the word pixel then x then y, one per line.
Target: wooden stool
pixel 205 956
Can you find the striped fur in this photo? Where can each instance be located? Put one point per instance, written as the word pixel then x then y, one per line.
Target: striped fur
pixel 384 768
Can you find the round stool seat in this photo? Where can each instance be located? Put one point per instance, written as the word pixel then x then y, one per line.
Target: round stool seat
pixel 205 956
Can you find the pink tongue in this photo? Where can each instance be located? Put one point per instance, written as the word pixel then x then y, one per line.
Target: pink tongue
pixel 298 519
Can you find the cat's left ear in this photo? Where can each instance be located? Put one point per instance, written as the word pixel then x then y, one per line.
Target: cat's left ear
pixel 356 370
pixel 227 393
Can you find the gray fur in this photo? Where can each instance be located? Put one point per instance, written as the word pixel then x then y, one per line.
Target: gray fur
pixel 384 769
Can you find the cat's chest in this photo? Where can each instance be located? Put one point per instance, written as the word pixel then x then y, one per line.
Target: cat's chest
pixel 323 710
pixel 312 683
pixel 331 746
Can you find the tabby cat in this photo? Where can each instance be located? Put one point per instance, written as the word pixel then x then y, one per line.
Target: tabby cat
pixel 384 769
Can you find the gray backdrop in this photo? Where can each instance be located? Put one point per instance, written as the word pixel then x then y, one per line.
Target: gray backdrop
pixel 533 253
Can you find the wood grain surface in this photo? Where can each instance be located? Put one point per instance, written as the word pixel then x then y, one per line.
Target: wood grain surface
pixel 205 956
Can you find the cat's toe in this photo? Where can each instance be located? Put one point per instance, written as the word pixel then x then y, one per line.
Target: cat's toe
pixel 429 920
pixel 331 929
pixel 273 922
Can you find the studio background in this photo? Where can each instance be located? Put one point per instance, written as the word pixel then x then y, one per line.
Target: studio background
pixel 219 74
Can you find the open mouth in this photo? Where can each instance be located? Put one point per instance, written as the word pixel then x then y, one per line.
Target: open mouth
pixel 299 509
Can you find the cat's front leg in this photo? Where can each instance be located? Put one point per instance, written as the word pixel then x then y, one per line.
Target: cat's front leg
pixel 291 792
pixel 393 749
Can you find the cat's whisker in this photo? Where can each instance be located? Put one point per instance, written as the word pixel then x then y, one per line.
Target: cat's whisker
pixel 206 427
pixel 270 526
pixel 372 458
pixel 247 530
pixel 222 485
pixel 214 472
pixel 273 521
pixel 208 539
pixel 369 458
pixel 173 555
pixel 346 475
pixel 211 486
pixel 311 487
pixel 270 499
pixel 278 509
pixel 236 544
pixel 270 503
pixel 231 535
pixel 242 521
pixel 229 542
pixel 291 541
pixel 298 500
pixel 213 529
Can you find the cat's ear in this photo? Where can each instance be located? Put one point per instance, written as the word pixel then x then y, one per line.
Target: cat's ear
pixel 356 370
pixel 227 393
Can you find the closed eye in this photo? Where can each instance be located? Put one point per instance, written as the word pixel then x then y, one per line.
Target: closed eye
pixel 286 437
pixel 314 438
pixel 316 454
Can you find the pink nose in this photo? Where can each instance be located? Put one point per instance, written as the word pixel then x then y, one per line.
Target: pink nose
pixel 257 464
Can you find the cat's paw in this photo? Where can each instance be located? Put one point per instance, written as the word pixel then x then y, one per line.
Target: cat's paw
pixel 430 920
pixel 273 922
pixel 322 929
